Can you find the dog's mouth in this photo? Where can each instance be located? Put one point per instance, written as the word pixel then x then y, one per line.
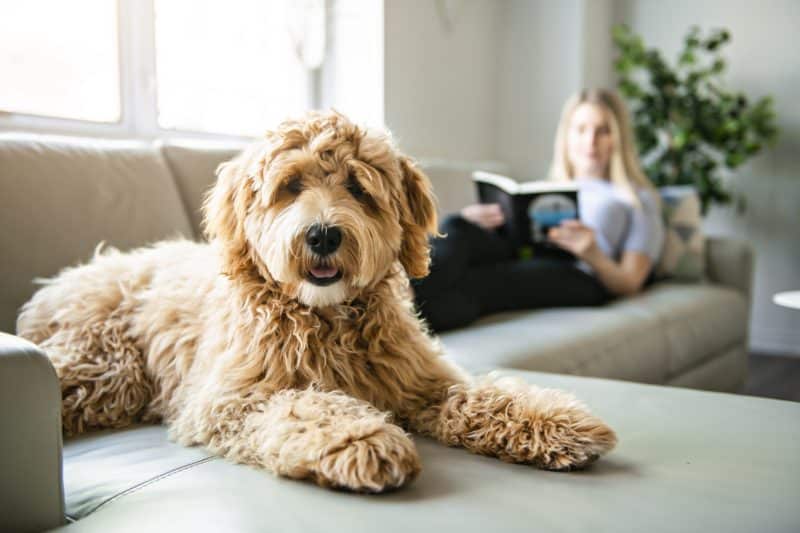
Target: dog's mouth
pixel 323 275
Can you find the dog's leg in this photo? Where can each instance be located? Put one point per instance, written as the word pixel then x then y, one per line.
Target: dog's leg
pixel 102 377
pixel 82 320
pixel 516 422
pixel 329 437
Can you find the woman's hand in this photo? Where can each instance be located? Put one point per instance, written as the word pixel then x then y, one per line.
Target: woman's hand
pixel 575 237
pixel 624 277
pixel 487 216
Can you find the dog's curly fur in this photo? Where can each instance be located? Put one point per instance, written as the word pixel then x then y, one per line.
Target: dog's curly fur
pixel 236 346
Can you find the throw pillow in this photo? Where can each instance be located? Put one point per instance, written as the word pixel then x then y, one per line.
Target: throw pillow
pixel 683 255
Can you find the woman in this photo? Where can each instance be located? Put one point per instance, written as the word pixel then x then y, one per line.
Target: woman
pixel 617 239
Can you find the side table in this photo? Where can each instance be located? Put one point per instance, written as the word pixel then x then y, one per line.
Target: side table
pixel 788 299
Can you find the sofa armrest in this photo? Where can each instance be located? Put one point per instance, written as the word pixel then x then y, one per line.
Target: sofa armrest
pixel 729 261
pixel 31 486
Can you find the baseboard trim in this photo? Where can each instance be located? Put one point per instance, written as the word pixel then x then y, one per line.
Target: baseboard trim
pixel 775 341
pixel 774 351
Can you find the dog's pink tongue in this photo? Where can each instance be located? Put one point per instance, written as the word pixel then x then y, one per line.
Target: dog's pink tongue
pixel 324 272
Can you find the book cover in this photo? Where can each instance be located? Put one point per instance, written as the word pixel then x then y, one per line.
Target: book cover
pixel 530 209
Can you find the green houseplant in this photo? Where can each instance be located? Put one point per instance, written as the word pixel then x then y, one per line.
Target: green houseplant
pixel 689 127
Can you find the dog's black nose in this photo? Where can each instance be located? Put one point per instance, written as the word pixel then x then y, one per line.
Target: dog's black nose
pixel 323 240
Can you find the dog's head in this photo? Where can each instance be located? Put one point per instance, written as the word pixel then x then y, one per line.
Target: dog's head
pixel 323 208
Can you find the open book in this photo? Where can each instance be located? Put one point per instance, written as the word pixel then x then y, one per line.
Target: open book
pixel 530 209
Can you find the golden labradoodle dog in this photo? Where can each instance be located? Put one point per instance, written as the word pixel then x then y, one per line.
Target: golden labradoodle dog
pixel 290 341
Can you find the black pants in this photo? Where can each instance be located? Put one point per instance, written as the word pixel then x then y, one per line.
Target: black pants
pixel 474 273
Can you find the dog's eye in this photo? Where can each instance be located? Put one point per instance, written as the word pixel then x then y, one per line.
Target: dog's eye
pixel 355 188
pixel 294 185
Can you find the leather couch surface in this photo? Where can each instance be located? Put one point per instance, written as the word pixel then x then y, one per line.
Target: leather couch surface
pixel 686 461
pixel 31 488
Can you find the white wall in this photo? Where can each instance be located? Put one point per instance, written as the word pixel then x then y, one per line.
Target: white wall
pixel 440 78
pixel 763 60
pixel 491 86
pixel 541 65
pixel 486 89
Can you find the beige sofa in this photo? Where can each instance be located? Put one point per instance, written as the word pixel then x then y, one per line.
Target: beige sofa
pixel 59 197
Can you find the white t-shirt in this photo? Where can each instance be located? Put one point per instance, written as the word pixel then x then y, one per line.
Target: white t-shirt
pixel 620 226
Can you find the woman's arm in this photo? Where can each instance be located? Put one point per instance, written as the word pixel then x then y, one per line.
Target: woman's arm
pixel 623 278
pixel 620 278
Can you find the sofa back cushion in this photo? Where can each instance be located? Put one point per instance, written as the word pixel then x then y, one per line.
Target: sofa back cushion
pixel 60 197
pixel 194 165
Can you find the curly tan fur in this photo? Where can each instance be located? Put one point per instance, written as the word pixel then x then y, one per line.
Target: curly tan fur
pixel 239 348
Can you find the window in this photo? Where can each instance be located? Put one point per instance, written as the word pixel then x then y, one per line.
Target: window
pixel 232 70
pixel 352 74
pixel 60 61
pixel 155 68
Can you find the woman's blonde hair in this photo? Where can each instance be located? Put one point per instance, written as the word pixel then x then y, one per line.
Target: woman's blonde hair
pixel 624 169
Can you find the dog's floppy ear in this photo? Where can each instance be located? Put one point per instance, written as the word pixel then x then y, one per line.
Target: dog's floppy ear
pixel 418 219
pixel 225 207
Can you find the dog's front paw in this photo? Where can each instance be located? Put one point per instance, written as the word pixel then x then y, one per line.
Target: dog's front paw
pixel 571 441
pixel 382 460
pixel 520 423
pixel 557 431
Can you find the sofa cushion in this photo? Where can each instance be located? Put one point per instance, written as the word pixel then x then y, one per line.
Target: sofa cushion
pixel 651 337
pixel 698 321
pixel 726 371
pixel 620 340
pixel 683 253
pixel 62 196
pixel 686 461
pixel 194 165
